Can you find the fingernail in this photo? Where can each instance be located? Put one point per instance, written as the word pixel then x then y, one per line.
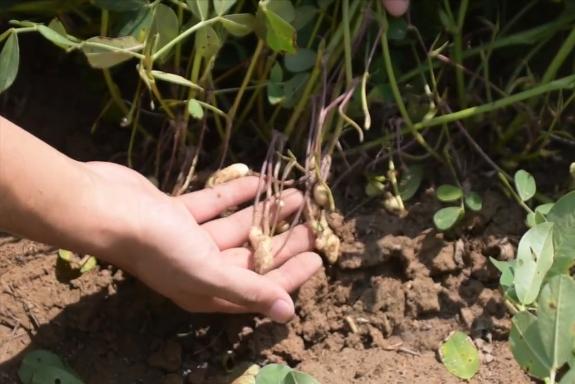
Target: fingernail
pixel 281 311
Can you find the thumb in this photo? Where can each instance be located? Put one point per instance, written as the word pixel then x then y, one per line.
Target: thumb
pixel 256 292
pixel 396 7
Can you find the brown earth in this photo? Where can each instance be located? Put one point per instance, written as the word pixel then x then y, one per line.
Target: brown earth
pixel 378 316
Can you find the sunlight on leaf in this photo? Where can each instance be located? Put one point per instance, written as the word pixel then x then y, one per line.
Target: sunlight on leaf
pixel 534 258
pixel 446 218
pixel 525 185
pixel 459 355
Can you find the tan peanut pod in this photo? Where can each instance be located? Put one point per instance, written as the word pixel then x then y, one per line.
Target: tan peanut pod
pixel 232 172
pixel 263 251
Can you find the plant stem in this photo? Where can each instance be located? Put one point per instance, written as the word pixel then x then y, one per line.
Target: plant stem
pixel 347 43
pixel 563 83
pixel 559 58
pixel 183 36
pixel 519 38
pixel 395 89
pixel 458 54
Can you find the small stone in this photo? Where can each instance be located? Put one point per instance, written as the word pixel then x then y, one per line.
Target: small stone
pixel 467 317
pixel 168 357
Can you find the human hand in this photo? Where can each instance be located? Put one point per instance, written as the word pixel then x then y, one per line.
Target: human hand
pixel 179 247
pixel 396 7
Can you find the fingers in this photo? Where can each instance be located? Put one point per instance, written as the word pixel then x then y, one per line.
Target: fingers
pixel 289 277
pixel 210 202
pixel 296 271
pixel 396 7
pixel 232 231
pixel 247 289
pixel 285 246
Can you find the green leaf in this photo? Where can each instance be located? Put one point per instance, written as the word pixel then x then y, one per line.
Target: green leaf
pixel 527 346
pixel 296 377
pixel 459 355
pixel 45 367
pixel 525 185
pixel 410 181
pixel 538 216
pixel 166 26
pixel 222 6
pixel 304 15
pixel 283 8
pixel 65 254
pixel 272 374
pixel 57 26
pixel 447 217
pixel 90 263
pixel 293 89
pixel 200 8
pixel 275 89
pixel 56 37
pixel 136 24
pixel 300 61
pixel 120 6
pixel 534 258
pixel 174 79
pixel 99 57
pixel 195 109
pixel 569 377
pixel 9 62
pixel 449 193
pixel 473 201
pixel 562 215
pixel 208 43
pixel 280 35
pixel 240 24
pixel 544 209
pixel 51 375
pixel 556 319
pixel 507 271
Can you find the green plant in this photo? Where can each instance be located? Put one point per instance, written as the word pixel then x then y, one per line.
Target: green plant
pixel 282 374
pixel 446 218
pixel 273 374
pixel 538 287
pixel 45 367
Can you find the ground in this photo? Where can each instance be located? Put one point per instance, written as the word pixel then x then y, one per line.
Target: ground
pixel 378 316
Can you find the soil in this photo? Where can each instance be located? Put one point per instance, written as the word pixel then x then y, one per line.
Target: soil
pixel 377 316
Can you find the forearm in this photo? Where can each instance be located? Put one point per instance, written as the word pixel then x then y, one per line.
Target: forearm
pixel 45 195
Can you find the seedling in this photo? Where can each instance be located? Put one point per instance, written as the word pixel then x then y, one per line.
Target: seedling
pixel 70 266
pixel 393 191
pixel 446 218
pixel 282 374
